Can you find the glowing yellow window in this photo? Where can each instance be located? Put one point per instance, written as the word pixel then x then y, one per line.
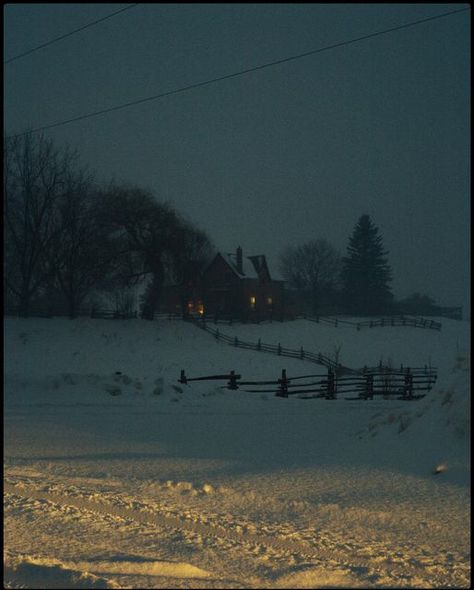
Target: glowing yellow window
pixel 200 308
pixel 253 301
pixel 269 301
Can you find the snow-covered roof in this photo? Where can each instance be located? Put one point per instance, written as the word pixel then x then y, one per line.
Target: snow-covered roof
pixel 248 268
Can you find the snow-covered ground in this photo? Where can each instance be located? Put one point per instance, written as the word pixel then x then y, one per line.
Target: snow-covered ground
pixel 117 476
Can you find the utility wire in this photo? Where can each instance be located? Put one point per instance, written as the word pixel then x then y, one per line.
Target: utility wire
pixel 69 34
pixel 236 74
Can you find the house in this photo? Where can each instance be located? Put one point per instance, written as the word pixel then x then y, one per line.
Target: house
pixel 232 286
pixel 241 287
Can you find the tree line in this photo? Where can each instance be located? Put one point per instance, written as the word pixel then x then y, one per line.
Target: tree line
pixel 67 236
pixel 357 283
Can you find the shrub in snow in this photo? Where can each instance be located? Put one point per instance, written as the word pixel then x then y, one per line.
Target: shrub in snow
pixel 113 389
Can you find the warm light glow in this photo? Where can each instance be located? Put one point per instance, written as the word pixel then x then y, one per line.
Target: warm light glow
pixel 269 301
pixel 253 301
pixel 200 308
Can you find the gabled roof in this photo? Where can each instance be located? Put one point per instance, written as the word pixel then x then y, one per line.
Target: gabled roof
pixel 253 267
pixel 248 268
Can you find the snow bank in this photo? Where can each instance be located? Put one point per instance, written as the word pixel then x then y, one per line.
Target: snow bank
pixel 117 472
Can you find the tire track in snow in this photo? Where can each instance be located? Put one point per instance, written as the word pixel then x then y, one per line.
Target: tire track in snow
pixel 348 560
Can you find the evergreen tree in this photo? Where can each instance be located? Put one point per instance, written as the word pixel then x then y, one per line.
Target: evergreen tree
pixel 366 272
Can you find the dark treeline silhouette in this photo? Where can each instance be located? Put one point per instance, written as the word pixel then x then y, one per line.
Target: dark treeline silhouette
pixel 65 237
pixel 321 281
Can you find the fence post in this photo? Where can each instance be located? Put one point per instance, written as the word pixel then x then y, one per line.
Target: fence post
pixel 283 389
pixel 232 381
pixel 279 348
pixel 301 353
pixel 236 342
pixel 217 334
pixel 331 393
pixel 369 387
pixel 259 344
pixel 182 378
pixel 408 392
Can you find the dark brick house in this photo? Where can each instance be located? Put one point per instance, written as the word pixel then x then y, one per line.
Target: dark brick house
pixel 232 286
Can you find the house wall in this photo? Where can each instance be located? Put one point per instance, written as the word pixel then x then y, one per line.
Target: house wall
pixel 262 291
pixel 222 289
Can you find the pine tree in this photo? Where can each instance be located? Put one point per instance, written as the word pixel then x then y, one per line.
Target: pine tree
pixel 366 272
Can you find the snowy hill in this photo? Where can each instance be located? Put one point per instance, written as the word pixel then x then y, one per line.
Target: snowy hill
pixel 116 475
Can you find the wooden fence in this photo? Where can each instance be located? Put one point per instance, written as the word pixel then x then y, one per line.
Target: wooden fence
pixel 92 312
pixel 107 313
pixel 260 346
pixel 404 384
pixel 414 322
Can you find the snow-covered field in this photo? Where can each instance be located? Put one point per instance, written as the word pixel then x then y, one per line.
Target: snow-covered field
pixel 132 480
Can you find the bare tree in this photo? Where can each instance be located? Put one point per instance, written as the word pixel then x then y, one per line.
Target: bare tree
pixel 34 178
pixel 146 228
pixel 312 269
pixel 191 251
pixel 85 254
pixel 156 241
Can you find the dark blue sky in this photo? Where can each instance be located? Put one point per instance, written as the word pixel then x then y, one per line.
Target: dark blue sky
pixel 279 156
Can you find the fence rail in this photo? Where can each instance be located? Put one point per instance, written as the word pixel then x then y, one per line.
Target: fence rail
pixel 301 354
pixel 403 385
pixel 414 322
pixel 107 313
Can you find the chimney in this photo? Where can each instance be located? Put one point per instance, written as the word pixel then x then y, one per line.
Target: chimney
pixel 240 268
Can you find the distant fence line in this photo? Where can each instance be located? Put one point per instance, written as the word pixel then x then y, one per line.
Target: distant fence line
pixel 301 354
pixel 94 313
pixel 104 313
pixel 415 322
pixel 399 320
pixel 319 358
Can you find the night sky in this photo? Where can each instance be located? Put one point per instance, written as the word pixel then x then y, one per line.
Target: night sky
pixel 279 156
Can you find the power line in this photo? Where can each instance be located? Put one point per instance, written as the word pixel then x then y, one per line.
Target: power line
pixel 236 74
pixel 69 34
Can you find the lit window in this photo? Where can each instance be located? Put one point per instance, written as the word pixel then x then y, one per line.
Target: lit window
pixel 190 305
pixel 200 308
pixel 253 301
pixel 269 301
